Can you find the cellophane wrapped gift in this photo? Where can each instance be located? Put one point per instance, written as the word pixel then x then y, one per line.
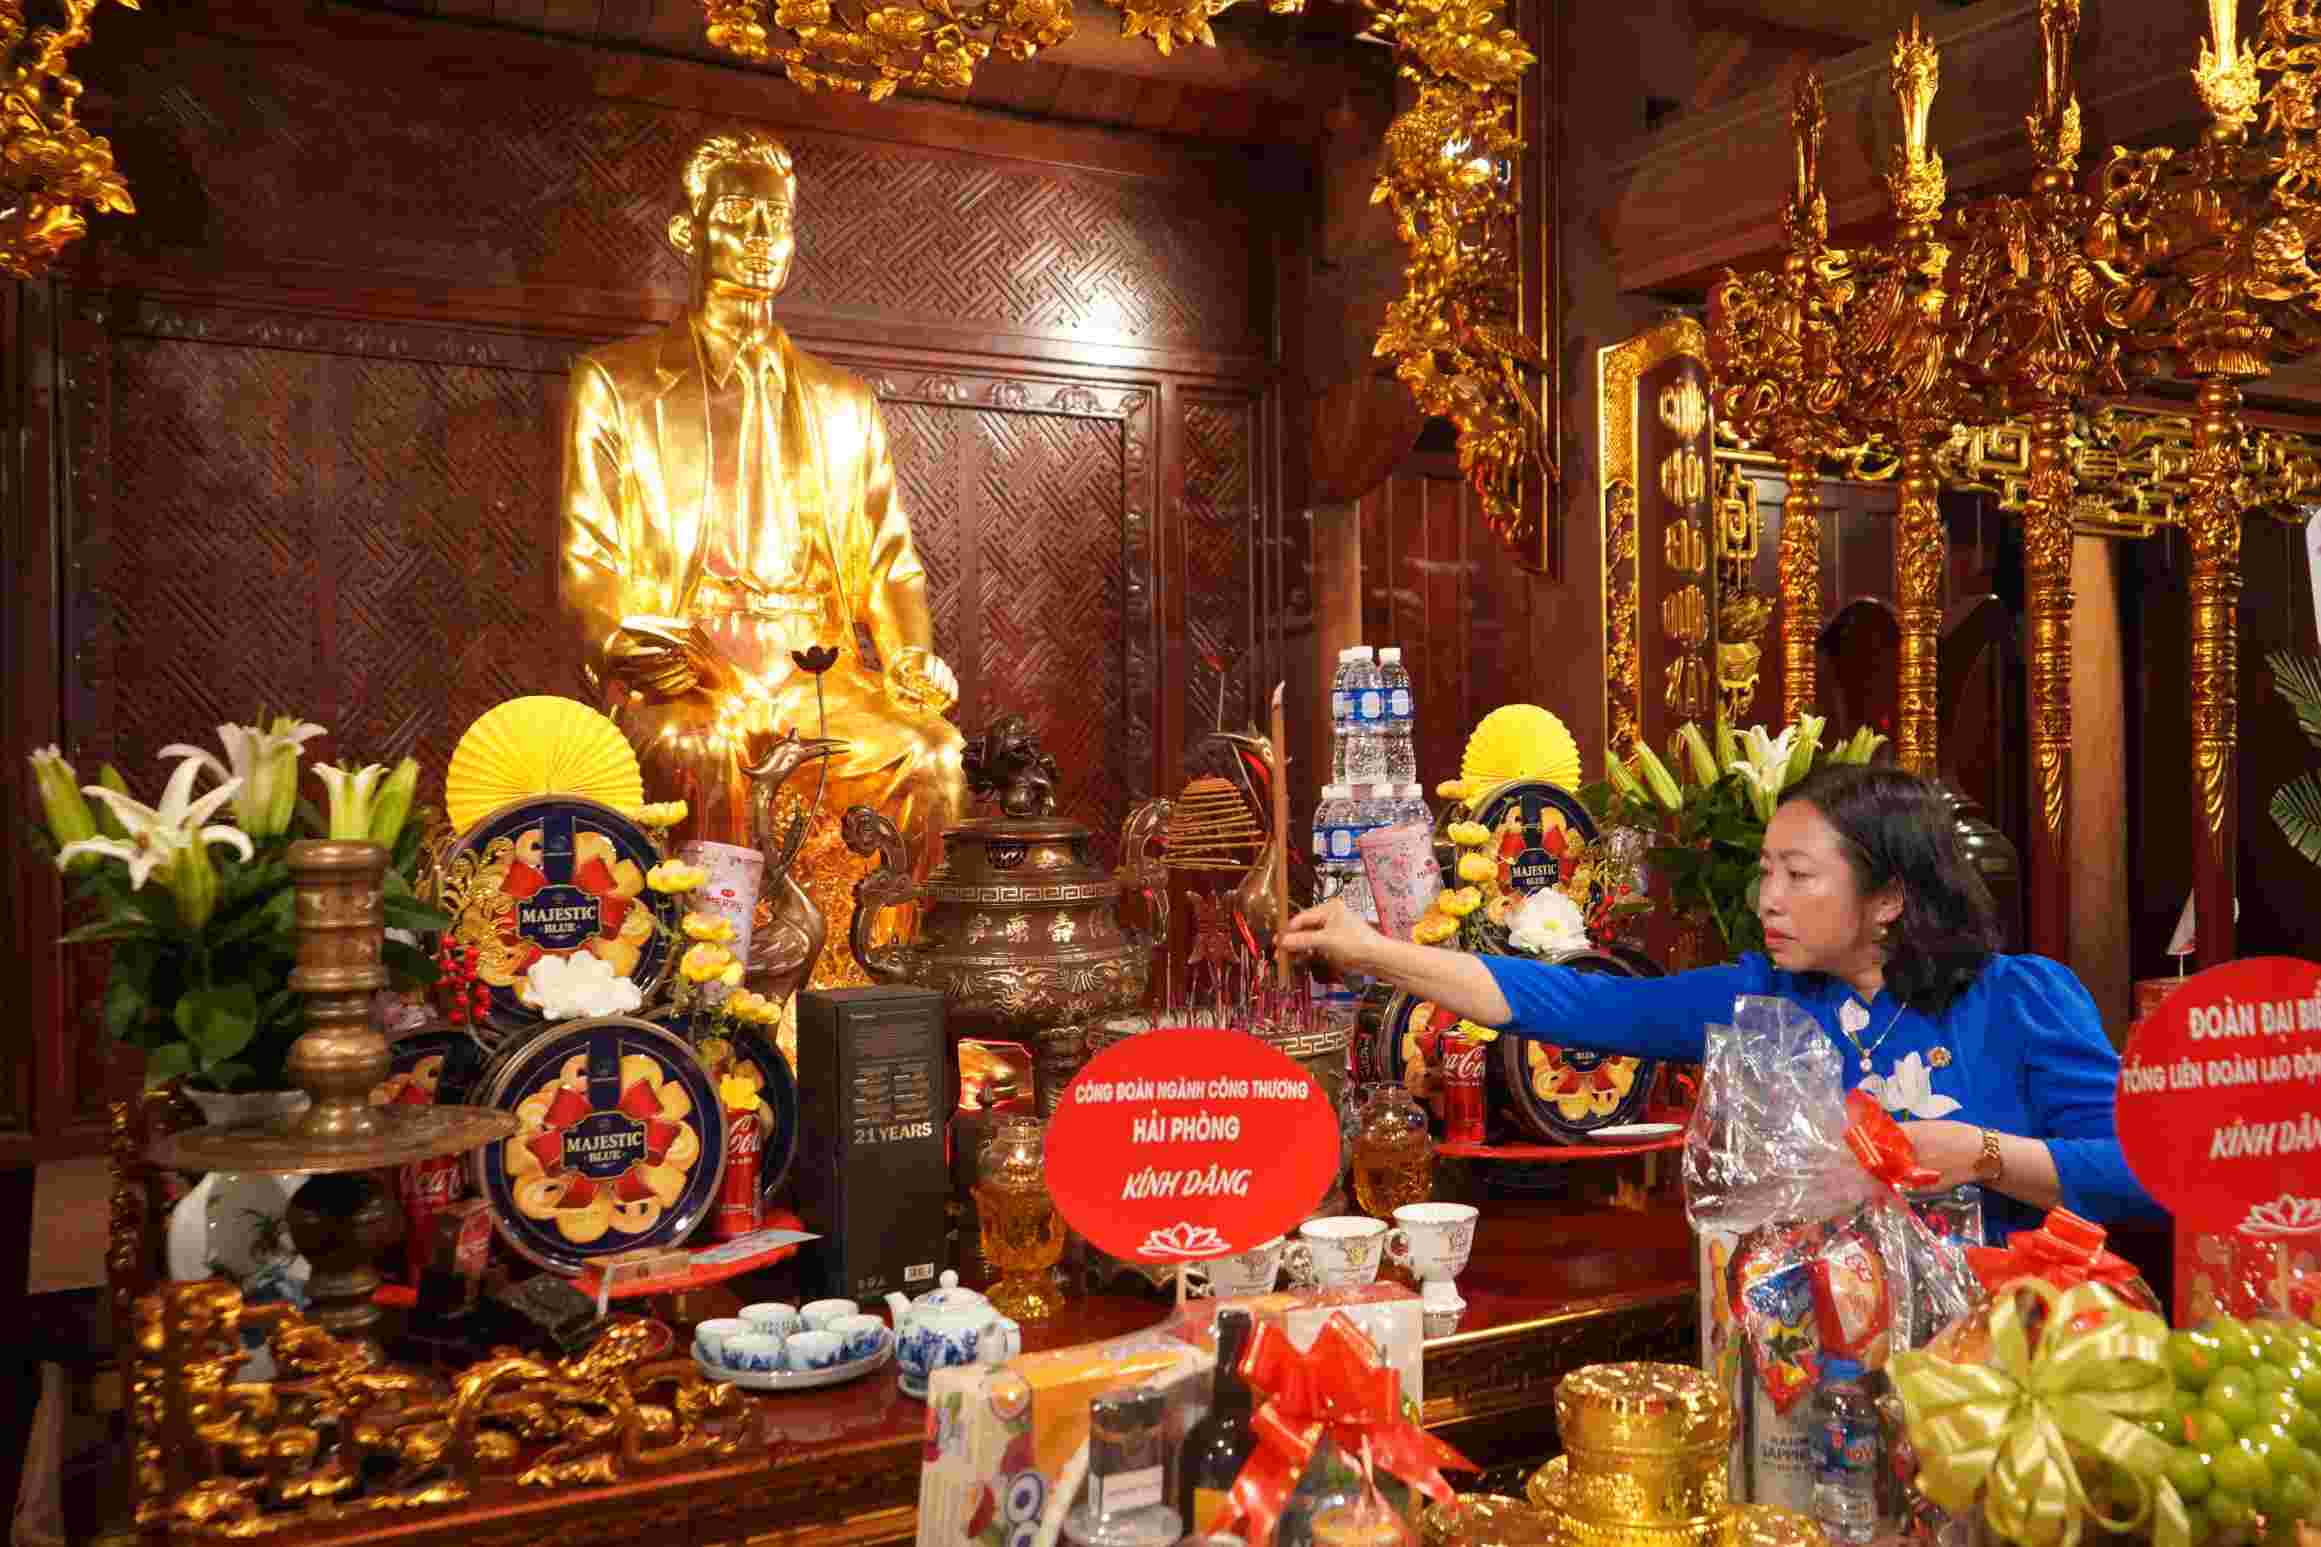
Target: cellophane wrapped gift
pixel 1810 1252
pixel 1006 1446
pixel 1334 1426
pixel 2268 1265
pixel 2052 1411
pixel 1389 1315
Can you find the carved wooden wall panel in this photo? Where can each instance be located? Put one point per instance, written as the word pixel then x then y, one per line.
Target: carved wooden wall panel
pixel 1219 511
pixel 529 186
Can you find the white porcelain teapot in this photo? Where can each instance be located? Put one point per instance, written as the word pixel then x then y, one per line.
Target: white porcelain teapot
pixel 948 1325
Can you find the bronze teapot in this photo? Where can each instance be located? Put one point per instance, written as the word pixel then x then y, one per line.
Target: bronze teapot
pixel 1020 930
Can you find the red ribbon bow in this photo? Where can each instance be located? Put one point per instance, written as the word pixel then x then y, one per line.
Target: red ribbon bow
pixel 2065 1250
pixel 1879 1143
pixel 1339 1389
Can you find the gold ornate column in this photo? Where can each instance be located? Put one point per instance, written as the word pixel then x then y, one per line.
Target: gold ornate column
pixel 1773 348
pixel 1799 568
pixel 1921 549
pixel 2213 523
pixel 2021 317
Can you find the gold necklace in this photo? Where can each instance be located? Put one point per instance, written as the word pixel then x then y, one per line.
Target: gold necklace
pixel 1847 1026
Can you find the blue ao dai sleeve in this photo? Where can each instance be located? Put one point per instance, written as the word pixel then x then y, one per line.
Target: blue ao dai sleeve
pixel 1639 1017
pixel 2070 1076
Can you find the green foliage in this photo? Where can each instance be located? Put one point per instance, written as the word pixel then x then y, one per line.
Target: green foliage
pixel 213 1005
pixel 2296 806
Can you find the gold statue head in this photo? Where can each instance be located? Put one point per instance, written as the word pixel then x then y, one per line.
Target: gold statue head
pixel 740 197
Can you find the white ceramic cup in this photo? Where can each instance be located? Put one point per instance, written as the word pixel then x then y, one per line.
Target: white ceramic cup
pixel 812 1350
pixel 861 1335
pixel 753 1351
pixel 819 1314
pixel 773 1318
pixel 1338 1252
pixel 1253 1272
pixel 731 892
pixel 1435 1239
pixel 712 1335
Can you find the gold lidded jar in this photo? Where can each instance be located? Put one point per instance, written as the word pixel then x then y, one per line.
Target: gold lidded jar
pixel 1021 1231
pixel 1647 1445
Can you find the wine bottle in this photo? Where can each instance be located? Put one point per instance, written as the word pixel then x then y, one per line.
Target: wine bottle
pixel 1214 1448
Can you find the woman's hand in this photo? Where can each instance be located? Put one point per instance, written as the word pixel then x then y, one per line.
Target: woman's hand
pixel 1332 932
pixel 1951 1148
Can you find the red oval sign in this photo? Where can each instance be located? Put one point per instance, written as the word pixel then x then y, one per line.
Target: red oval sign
pixel 2220 1095
pixel 1188 1143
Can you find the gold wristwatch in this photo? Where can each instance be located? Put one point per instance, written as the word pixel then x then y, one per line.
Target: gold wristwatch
pixel 1990 1166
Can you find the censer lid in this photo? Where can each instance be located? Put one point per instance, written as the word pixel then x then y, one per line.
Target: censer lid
pixel 1641 1408
pixel 1005 765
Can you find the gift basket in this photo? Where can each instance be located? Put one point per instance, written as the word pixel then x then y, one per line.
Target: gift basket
pixel 1816 1272
pixel 2064 1405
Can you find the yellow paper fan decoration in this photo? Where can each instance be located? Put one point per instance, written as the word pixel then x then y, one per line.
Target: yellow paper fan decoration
pixel 1520 741
pixel 543 745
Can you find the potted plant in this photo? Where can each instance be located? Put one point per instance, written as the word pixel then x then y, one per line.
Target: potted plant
pixel 196 913
pixel 1707 827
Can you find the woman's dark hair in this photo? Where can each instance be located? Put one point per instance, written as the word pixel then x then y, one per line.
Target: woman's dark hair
pixel 1897 829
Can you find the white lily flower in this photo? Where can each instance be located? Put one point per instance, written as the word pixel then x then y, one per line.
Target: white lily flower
pixel 350 799
pixel 261 759
pixel 157 834
pixel 1765 768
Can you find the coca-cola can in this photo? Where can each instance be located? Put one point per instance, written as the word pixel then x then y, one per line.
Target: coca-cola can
pixel 1462 1091
pixel 737 1199
pixel 426 1188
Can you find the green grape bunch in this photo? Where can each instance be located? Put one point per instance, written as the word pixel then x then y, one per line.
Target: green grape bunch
pixel 2245 1421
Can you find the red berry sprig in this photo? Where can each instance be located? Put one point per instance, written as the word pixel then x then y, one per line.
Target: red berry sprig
pixel 461 993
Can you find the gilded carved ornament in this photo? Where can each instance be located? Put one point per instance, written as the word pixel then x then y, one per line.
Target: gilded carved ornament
pixel 53 172
pixel 1448 173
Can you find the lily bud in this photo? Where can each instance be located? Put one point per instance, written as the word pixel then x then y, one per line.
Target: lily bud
pixel 1728 744
pixel 69 818
pixel 193 881
pixel 1657 778
pixel 1622 781
pixel 1705 769
pixel 288 734
pixel 393 804
pixel 107 823
pixel 351 794
pixel 1801 756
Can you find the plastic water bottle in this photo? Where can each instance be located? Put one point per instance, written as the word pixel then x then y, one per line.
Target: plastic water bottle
pixel 1845 1488
pixel 1342 688
pixel 1401 756
pixel 1410 807
pixel 1364 741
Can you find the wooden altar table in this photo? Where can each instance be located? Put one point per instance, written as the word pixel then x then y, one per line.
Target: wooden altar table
pixel 1550 1289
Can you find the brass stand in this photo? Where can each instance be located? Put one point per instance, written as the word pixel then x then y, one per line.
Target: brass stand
pixel 342 1220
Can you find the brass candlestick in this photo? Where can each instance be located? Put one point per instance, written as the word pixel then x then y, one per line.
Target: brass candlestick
pixel 343 1219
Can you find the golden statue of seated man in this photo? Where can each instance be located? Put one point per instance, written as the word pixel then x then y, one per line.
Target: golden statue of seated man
pixel 729 499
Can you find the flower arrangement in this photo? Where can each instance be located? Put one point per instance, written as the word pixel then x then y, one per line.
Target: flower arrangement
pixel 1484 912
pixel 197 913
pixel 1709 825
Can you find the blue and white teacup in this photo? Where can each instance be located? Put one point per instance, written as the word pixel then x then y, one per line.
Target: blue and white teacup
pixel 803 1351
pixel 754 1352
pixel 861 1335
pixel 711 1336
pixel 774 1319
pixel 819 1314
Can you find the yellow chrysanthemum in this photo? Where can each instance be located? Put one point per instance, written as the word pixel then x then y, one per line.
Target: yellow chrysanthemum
pixel 709 927
pixel 1477 1034
pixel 664 813
pixel 675 877
pixel 738 1094
pixel 731 976
pixel 1453 789
pixel 1477 867
pixel 1460 903
pixel 704 961
pixel 1469 835
pixel 1434 929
